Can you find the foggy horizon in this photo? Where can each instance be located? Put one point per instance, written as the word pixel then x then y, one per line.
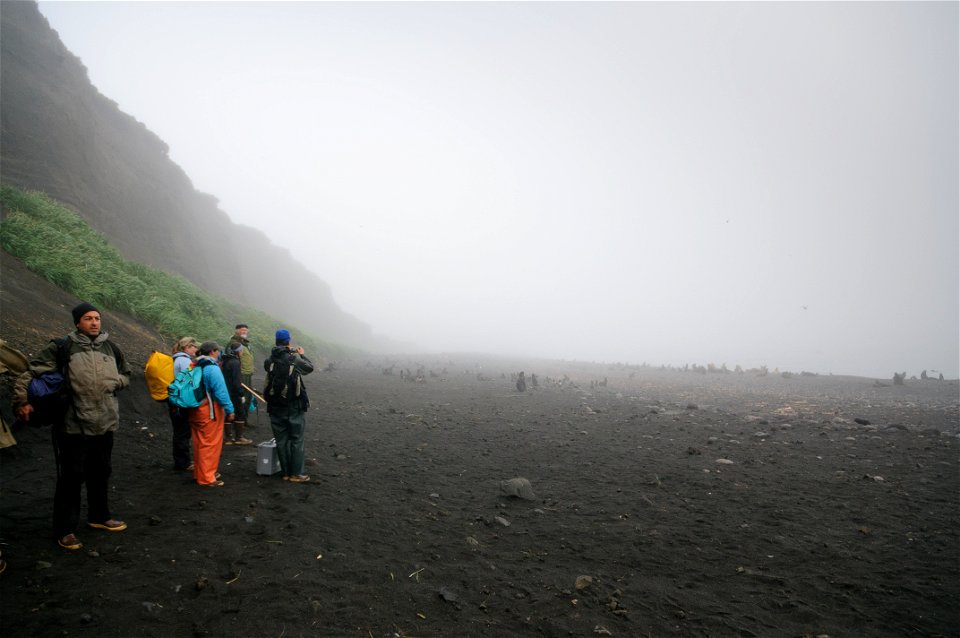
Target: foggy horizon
pixel 672 183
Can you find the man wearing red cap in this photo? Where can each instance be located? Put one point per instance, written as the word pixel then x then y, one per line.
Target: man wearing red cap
pixel 83 438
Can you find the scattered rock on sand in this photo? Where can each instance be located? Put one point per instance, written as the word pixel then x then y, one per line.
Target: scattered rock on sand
pixel 724 462
pixel 447 595
pixel 583 582
pixel 517 487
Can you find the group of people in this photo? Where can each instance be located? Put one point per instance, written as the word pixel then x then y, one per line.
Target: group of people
pixel 228 402
pixel 227 378
pixel 94 369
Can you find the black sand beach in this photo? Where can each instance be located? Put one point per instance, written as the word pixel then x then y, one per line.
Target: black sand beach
pixel 664 504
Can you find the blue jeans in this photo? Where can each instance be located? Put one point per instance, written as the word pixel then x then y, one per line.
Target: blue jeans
pixel 287 424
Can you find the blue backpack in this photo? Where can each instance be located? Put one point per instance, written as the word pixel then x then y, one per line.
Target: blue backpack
pixel 187 389
pixel 50 393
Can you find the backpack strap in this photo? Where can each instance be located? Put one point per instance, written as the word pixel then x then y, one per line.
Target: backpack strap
pixel 203 363
pixel 63 354
pixel 63 363
pixel 290 370
pixel 63 367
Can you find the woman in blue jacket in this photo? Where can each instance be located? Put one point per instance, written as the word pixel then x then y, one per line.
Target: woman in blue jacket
pixel 207 420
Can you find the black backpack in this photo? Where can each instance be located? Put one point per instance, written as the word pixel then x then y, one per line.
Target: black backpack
pixel 284 385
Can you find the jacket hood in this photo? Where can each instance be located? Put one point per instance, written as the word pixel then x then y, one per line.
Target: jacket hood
pixel 279 350
pixel 79 337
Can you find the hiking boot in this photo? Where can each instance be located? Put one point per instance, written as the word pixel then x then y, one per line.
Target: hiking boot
pixel 70 541
pixel 110 525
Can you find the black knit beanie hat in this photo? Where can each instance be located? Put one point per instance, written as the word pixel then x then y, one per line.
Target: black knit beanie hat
pixel 83 309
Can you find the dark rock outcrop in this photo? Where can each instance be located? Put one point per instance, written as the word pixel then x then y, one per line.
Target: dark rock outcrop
pixel 62 137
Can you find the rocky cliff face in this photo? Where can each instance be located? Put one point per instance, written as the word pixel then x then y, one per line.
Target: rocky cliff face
pixel 61 136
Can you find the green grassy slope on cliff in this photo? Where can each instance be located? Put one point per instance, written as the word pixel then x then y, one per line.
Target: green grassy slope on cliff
pixel 61 247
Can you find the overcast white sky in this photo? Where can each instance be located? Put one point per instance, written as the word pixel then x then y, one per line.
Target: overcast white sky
pixel 752 183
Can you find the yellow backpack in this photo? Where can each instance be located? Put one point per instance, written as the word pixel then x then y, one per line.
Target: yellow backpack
pixel 159 374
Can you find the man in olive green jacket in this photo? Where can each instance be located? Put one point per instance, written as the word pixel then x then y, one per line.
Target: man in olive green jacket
pixel 240 337
pixel 83 439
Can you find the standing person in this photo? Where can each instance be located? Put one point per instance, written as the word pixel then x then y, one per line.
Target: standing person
pixel 286 402
pixel 94 371
pixel 206 421
pixel 184 350
pixel 230 365
pixel 247 364
pixel 16 363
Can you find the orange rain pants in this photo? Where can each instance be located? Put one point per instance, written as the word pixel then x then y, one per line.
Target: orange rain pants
pixel 207 441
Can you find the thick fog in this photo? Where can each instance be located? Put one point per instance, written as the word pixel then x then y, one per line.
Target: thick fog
pixel 739 183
